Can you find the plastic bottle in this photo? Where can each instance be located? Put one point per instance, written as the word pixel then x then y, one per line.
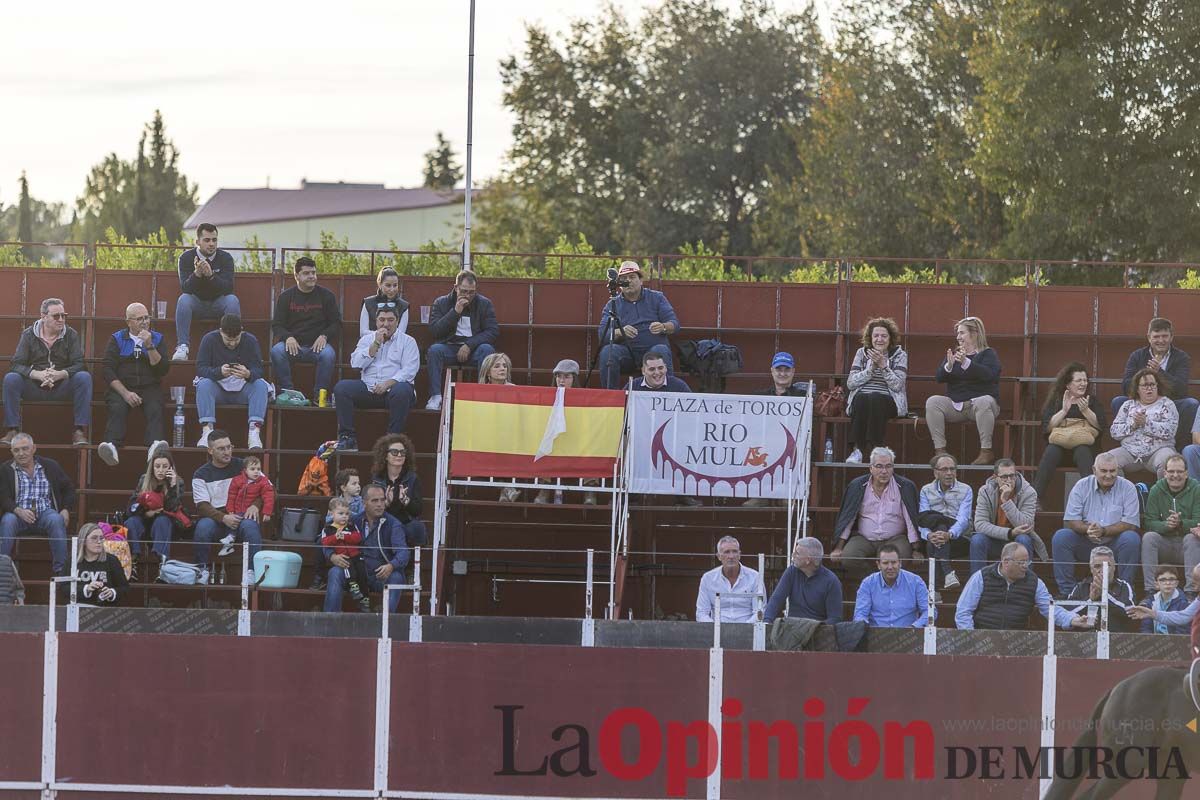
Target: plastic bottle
pixel 179 420
pixel 829 449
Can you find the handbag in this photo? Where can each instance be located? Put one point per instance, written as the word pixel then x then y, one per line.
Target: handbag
pixel 179 572
pixel 831 402
pixel 1073 432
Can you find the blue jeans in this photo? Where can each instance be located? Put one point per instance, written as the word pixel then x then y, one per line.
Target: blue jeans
pixel 160 533
pixel 78 388
pixel 209 531
pixel 209 393
pixel 189 305
pixel 1186 406
pixel 616 359
pixel 985 549
pixel 1069 549
pixel 439 354
pixel 50 523
pixel 337 586
pixel 352 393
pixel 1191 454
pixel 325 360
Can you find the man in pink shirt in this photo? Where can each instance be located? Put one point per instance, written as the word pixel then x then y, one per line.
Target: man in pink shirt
pixel 877 509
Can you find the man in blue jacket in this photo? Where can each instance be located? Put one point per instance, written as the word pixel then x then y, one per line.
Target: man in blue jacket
pixel 384 547
pixel 206 281
pixel 229 369
pixel 644 319
pixel 1173 365
pixel 464 328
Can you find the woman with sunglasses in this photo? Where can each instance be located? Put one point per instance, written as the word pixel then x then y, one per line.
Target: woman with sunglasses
pixel 388 281
pixel 393 467
pixel 971 373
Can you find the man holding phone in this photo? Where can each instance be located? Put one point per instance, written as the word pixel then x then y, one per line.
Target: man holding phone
pixel 134 367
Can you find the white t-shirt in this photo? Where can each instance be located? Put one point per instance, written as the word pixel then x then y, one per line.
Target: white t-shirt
pixel 464 326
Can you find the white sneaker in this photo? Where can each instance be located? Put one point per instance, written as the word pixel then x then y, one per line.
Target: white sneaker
pixel 181 353
pixel 254 438
pixel 951 581
pixel 204 436
pixel 510 495
pixel 226 545
pixel 205 575
pixel 159 444
pixel 434 404
pixel 855 456
pixel 108 453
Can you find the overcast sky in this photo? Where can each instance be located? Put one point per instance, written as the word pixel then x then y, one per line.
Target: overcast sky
pixel 256 92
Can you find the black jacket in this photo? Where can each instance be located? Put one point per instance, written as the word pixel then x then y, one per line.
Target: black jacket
pixel 443 321
pixel 62 491
pixel 32 353
pixel 219 285
pixel 124 362
pixel 852 502
pixel 1176 375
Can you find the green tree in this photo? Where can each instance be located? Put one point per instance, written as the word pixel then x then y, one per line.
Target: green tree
pixel 140 197
pixel 643 139
pixel 441 169
pixel 25 218
pixel 1086 123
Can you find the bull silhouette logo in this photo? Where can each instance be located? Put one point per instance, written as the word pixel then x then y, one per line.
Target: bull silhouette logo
pixel 755 457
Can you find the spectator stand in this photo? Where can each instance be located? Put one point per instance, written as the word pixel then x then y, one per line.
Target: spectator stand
pixel 451 473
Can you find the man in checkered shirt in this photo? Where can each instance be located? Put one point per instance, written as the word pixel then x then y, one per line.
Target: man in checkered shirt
pixel 35 496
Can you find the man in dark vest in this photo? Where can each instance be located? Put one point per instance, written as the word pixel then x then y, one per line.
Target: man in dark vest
pixel 1000 596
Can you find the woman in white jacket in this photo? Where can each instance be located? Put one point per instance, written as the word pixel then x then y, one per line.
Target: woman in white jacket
pixel 877 383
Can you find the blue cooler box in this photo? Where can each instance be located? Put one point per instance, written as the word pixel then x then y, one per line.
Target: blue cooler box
pixel 282 569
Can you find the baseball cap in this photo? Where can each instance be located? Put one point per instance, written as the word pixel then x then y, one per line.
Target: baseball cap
pixel 783 360
pixel 566 366
pixel 628 267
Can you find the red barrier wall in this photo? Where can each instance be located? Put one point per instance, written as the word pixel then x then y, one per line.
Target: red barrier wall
pixel 297 712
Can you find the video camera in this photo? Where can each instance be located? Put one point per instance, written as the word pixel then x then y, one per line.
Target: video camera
pixel 615 285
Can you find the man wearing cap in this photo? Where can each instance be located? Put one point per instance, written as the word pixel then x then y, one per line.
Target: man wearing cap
pixel 644 319
pixel 229 370
pixel 783 374
pixel 464 328
pixel 566 374
pixel 389 361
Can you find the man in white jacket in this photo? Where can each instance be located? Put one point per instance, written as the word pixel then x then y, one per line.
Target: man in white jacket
pixel 389 361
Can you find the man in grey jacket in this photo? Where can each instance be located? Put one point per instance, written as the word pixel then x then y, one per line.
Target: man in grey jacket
pixel 1004 513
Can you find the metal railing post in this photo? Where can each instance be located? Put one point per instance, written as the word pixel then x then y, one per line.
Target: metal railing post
pixel 73 608
pixel 588 637
pixel 931 612
pixel 760 626
pixel 717 623
pixel 244 611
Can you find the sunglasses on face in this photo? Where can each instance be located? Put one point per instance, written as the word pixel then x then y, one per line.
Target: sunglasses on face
pixel 397 452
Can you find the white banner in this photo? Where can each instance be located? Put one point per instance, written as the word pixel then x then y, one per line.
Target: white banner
pixel 719 445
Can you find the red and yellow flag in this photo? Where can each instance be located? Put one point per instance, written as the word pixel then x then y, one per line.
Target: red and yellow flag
pixel 497 431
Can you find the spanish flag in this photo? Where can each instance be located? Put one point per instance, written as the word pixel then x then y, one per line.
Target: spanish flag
pixel 521 432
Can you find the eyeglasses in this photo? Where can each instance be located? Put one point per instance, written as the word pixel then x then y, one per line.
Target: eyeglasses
pixel 883 466
pixel 59 315
pixel 1022 563
pixel 396 451
pixel 142 318
pixel 385 304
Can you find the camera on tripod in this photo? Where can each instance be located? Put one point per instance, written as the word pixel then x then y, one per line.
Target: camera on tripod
pixel 614 283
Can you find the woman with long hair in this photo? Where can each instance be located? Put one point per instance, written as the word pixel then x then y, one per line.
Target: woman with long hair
pixel 877 383
pixel 101 579
pixel 1072 420
pixel 156 505
pixel 388 284
pixel 393 467
pixel 971 373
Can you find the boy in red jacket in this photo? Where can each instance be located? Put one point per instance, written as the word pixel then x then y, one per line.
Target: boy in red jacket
pixel 249 490
pixel 344 539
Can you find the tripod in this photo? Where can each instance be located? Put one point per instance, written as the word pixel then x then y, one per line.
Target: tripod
pixel 612 323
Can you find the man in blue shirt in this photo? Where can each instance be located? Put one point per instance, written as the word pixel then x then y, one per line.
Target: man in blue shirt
pixel 644 319
pixel 810 590
pixel 892 597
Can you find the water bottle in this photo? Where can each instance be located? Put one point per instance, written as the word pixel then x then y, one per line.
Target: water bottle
pixel 829 449
pixel 178 435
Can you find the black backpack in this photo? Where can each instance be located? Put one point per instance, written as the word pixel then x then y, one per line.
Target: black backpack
pixel 710 360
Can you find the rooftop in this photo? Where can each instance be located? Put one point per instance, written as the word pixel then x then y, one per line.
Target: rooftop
pixel 242 206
